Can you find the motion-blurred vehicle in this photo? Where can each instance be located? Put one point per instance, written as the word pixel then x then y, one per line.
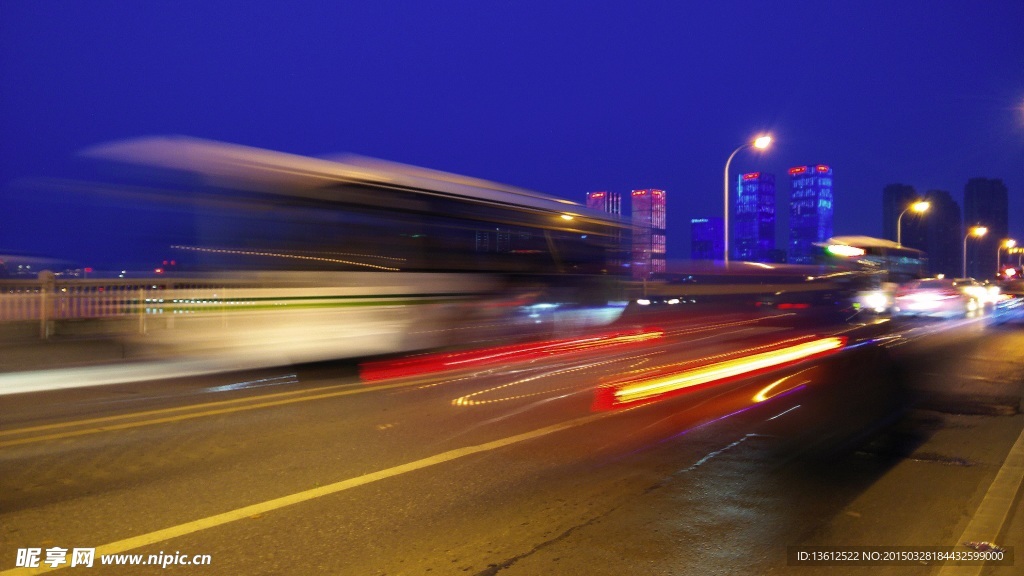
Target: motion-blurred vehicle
pixel 844 293
pixel 1010 305
pixel 939 297
pixel 985 293
pixel 325 259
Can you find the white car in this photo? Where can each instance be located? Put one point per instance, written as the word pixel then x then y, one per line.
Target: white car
pixel 943 297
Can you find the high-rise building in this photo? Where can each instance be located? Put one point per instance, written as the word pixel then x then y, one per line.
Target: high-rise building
pixel 604 201
pixel 986 203
pixel 611 202
pixel 497 240
pixel 706 239
pixel 648 209
pixel 810 211
pixel 755 217
pixel 895 199
pixel 942 232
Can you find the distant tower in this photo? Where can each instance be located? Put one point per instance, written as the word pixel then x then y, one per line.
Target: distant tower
pixel 810 210
pixel 610 202
pixel 755 217
pixel 706 241
pixel 986 203
pixel 497 240
pixel 895 199
pixel 648 208
pixel 943 234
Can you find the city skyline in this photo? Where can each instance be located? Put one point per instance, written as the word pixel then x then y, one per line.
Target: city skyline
pixel 531 94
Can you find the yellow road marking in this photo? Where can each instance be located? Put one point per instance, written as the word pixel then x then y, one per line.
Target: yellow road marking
pixel 71 434
pixel 299 497
pixel 73 423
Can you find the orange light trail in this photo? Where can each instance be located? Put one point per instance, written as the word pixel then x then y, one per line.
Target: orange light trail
pixel 627 393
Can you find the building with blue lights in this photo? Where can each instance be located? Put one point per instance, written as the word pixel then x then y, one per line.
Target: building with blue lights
pixel 810 211
pixel 706 239
pixel 755 217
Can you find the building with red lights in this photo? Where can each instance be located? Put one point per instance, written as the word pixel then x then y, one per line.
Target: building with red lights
pixel 648 209
pixel 610 202
pixel 810 210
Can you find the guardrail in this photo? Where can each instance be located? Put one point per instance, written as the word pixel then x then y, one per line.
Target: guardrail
pixel 48 299
pixel 144 304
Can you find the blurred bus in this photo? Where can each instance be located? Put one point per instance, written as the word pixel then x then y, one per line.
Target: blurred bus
pixel 331 258
pixel 882 265
pixel 896 262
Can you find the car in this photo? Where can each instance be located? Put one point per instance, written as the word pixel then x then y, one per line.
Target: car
pixel 985 293
pixel 1010 306
pixel 941 297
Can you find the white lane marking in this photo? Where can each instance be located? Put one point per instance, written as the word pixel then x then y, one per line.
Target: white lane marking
pixel 299 497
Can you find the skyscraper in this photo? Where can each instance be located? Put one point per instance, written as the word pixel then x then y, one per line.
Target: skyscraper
pixel 497 240
pixel 610 202
pixel 810 210
pixel 895 199
pixel 648 208
pixel 943 233
pixel 755 217
pixel 706 240
pixel 986 203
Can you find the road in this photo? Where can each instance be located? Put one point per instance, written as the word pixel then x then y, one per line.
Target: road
pixel 523 466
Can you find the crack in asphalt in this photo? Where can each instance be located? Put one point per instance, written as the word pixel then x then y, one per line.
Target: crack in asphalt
pixel 493 569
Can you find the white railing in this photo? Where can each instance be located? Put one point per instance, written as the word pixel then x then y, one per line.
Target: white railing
pixel 48 299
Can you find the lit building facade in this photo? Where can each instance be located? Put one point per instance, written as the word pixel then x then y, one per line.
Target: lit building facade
pixel 986 203
pixel 497 240
pixel 648 210
pixel 755 217
pixel 810 211
pixel 706 240
pixel 604 201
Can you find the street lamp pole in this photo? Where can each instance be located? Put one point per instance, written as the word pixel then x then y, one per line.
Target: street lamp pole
pixel 920 207
pixel 761 143
pixel 977 231
pixel 1008 244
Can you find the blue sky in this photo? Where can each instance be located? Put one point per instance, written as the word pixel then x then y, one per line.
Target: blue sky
pixel 562 98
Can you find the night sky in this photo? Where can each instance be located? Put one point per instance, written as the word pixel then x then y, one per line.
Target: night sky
pixel 562 98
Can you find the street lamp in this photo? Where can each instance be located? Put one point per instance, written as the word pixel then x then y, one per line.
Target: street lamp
pixel 761 142
pixel 920 207
pixel 976 231
pixel 1008 244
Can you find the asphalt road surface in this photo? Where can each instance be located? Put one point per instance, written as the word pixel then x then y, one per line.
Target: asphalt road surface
pixel 549 462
